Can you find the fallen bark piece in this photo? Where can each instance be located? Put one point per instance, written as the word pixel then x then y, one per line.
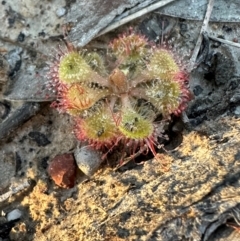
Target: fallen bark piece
pixel 95 15
pixel 223 11
pixel 37 91
pixel 101 17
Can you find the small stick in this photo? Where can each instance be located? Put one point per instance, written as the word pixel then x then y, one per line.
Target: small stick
pixel 128 159
pixel 14 43
pixel 224 41
pixel 14 190
pixel 192 61
pixel 135 15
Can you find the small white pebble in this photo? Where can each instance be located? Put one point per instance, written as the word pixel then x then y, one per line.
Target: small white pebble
pixel 3 214
pixel 14 214
pixel 237 110
pixel 87 159
pixel 61 12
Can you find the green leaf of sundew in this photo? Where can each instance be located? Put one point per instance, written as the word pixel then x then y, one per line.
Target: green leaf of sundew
pixel 96 62
pixel 98 127
pixel 162 65
pixel 165 95
pixel 135 126
pixel 73 68
pixel 130 47
pixel 79 97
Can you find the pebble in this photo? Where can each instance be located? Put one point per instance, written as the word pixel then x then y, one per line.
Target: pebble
pixel 88 160
pixel 61 12
pixel 237 111
pixel 62 169
pixel 14 214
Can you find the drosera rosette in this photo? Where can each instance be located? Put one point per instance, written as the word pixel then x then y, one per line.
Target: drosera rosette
pixel 117 104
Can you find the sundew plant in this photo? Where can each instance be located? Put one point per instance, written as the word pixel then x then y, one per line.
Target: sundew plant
pixel 116 102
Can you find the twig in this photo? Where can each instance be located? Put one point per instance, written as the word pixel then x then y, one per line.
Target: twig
pixel 14 190
pixel 135 15
pixel 192 61
pixel 224 41
pixel 15 43
pixel 128 159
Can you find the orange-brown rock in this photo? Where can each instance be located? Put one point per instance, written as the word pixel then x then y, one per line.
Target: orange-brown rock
pixel 62 170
